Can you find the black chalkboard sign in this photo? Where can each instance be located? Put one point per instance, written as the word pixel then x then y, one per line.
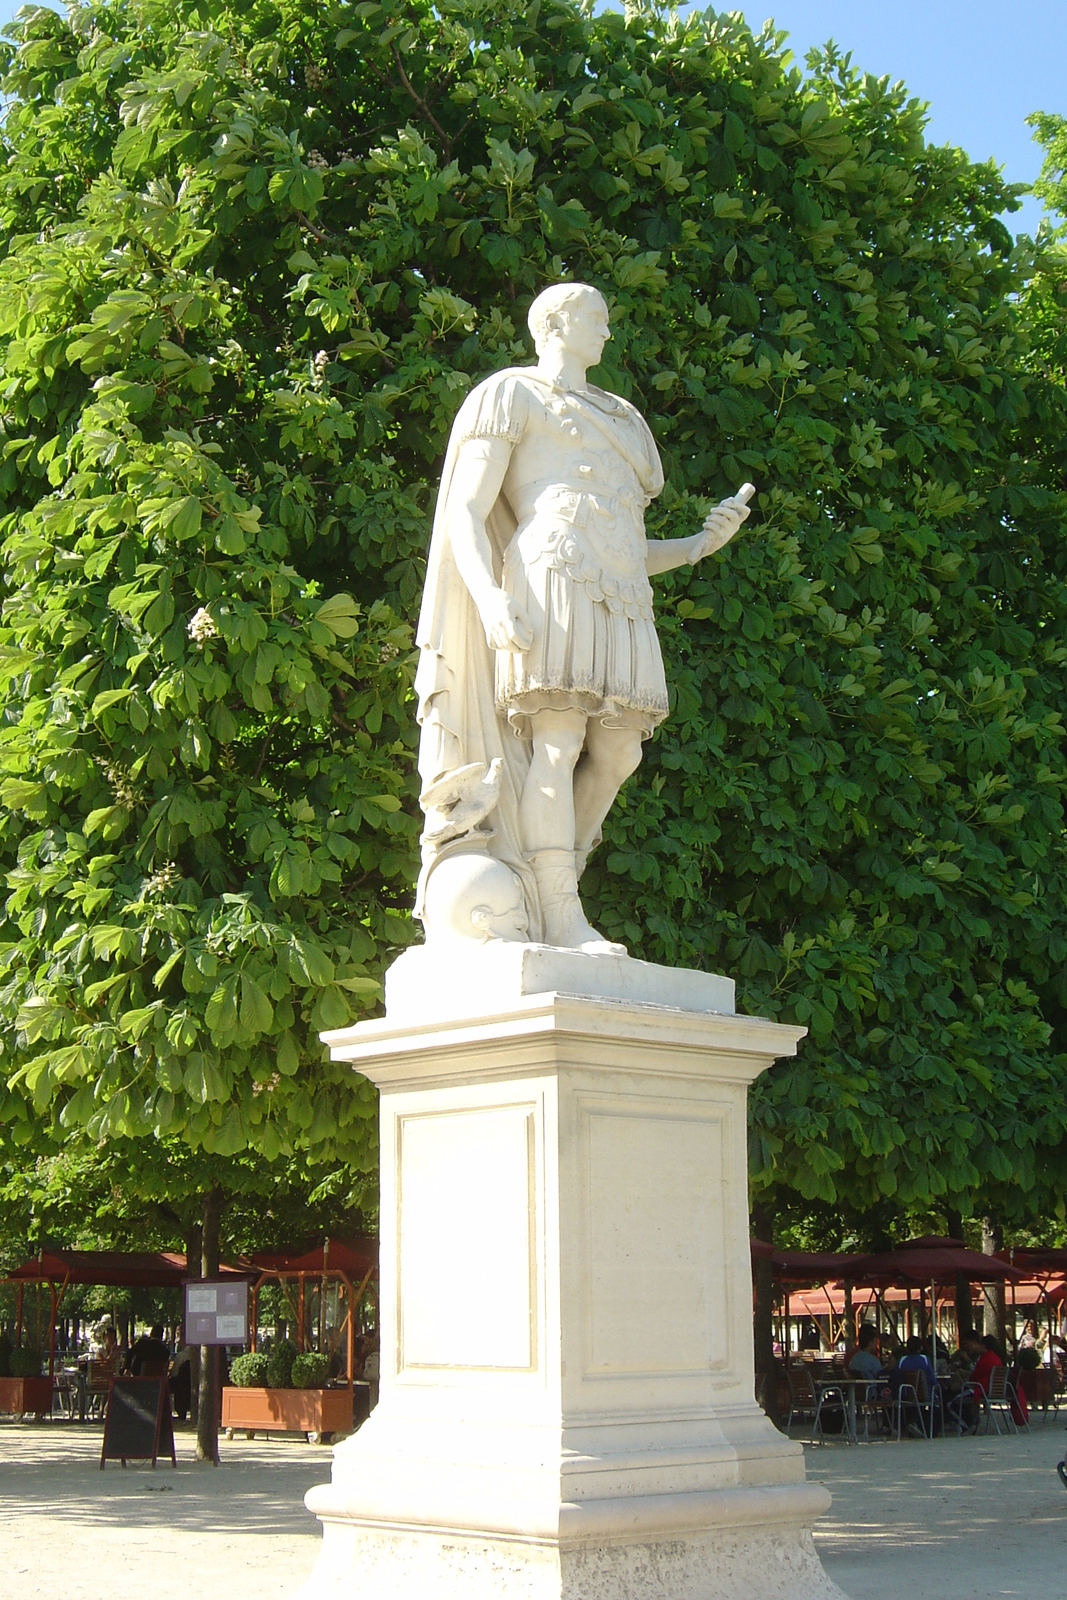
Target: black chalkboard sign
pixel 138 1424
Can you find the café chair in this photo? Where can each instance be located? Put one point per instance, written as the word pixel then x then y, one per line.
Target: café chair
pixel 914 1391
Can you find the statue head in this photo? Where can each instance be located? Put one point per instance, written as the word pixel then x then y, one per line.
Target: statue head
pixel 573 314
pixel 472 895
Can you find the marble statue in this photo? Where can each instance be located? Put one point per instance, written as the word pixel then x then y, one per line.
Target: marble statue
pixel 540 672
pixel 563 1128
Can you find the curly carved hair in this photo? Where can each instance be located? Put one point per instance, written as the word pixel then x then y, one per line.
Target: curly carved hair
pixel 550 302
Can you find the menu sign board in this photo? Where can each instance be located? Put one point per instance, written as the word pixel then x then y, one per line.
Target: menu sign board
pixel 216 1313
pixel 138 1425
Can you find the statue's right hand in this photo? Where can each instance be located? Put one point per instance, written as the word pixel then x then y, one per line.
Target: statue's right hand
pixel 505 626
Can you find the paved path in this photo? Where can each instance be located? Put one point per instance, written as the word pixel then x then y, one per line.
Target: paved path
pixel 955 1519
pixel 959 1519
pixel 67 1529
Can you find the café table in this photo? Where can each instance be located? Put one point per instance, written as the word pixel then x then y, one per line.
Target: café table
pixel 68 1386
pixel 842 1387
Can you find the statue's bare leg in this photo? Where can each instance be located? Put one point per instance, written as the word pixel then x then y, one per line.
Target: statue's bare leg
pixel 546 811
pixel 546 815
pixel 611 755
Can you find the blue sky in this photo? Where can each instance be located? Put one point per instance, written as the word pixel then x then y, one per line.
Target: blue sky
pixel 983 65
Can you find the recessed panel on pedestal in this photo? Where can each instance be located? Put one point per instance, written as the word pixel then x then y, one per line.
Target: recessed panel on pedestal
pixel 465 1227
pixel 654 1278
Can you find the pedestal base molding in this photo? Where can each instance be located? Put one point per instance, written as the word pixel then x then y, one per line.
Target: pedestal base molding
pixel 731 1561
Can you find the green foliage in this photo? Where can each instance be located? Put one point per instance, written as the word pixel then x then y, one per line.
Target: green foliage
pixel 109 1196
pixel 1050 130
pixel 6 1352
pixel 205 754
pixel 258 252
pixel 280 1365
pixel 1044 300
pixel 250 1371
pixel 26 1362
pixel 310 1370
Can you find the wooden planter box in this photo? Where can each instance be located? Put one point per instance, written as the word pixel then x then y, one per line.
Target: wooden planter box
pixel 20 1396
pixel 318 1411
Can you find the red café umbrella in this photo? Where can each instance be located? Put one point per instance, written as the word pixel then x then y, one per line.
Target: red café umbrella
pixel 150 1269
pixel 931 1260
pixel 356 1257
pixel 796 1267
pixel 1039 1260
pixel 799 1267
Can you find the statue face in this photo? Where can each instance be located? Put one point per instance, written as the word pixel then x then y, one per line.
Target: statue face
pixel 506 919
pixel 583 328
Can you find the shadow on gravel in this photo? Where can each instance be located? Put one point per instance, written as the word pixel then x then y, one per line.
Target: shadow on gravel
pixel 54 1469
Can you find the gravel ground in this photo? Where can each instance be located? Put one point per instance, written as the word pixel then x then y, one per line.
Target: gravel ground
pixel 959 1519
pixel 67 1529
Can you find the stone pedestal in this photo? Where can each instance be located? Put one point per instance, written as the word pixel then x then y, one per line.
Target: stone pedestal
pixel 566 1400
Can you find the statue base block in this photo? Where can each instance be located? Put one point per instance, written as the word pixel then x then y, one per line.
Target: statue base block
pixel 465 980
pixel 566 1403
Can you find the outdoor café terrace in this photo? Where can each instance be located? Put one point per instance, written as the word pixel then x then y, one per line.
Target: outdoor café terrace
pixel 322 1290
pixel 923 1292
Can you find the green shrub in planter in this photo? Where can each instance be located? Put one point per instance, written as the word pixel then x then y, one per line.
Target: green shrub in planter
pixel 5 1355
pixel 280 1365
pixel 310 1370
pixel 250 1372
pixel 1028 1360
pixel 25 1362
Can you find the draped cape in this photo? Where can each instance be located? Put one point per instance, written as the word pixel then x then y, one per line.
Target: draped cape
pixel 454 681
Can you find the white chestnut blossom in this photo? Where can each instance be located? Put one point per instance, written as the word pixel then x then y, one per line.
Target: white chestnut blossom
pixel 168 875
pixel 202 626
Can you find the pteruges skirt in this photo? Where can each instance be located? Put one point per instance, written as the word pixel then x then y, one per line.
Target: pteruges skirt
pixel 594 648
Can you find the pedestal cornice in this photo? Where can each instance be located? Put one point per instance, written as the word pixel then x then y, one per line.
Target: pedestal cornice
pixel 541 1030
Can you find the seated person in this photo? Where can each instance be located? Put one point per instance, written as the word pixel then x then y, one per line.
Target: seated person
pixel 105 1357
pixel 915 1359
pixel 101 1367
pixel 962 1406
pixel 150 1348
pixel 992 1356
pixel 906 1375
pixel 960 1360
pixel 867 1361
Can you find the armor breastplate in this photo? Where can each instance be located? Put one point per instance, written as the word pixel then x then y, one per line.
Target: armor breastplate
pixel 586 519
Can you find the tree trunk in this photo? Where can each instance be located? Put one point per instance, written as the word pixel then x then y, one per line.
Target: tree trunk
pixel 964 1315
pixel 763 1324
pixel 193 1250
pixel 207 1420
pixel 993 1319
